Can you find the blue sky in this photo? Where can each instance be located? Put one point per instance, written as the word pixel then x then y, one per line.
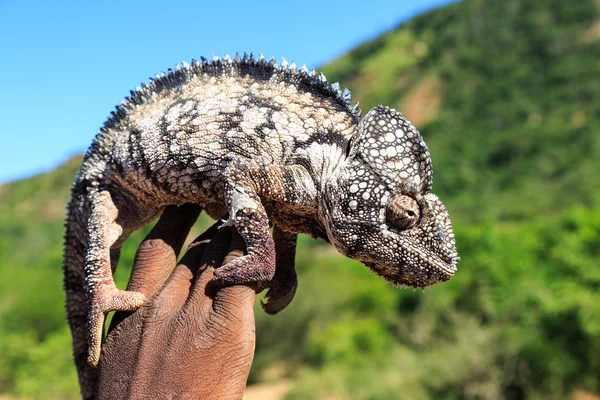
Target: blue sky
pixel 64 65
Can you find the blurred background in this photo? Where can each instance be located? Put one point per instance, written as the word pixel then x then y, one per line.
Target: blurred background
pixel 505 93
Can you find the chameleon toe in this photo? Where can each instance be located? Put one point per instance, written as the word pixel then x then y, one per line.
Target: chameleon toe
pixel 278 298
pixel 114 300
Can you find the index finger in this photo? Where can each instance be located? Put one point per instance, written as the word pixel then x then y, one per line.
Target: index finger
pixel 226 246
pixel 237 300
pixel 156 256
pixel 235 297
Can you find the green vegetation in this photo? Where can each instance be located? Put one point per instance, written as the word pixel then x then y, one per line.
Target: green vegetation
pixel 506 95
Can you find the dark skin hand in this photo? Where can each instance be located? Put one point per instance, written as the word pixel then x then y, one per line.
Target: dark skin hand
pixel 190 340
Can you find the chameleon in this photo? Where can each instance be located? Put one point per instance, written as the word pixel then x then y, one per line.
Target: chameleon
pixel 259 144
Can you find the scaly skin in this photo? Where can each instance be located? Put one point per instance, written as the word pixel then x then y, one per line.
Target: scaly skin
pixel 268 144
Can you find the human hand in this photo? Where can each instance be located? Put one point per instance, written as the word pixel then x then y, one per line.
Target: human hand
pixel 190 339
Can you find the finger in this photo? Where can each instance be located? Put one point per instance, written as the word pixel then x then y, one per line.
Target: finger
pixel 177 288
pixel 202 291
pixel 156 256
pixel 237 248
pixel 236 302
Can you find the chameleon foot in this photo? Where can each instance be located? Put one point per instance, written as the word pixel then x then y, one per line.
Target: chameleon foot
pixel 283 286
pixel 107 299
pixel 281 292
pixel 246 269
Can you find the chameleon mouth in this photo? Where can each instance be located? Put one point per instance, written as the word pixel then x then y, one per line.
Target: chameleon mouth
pixel 428 270
pixel 444 267
pixel 428 261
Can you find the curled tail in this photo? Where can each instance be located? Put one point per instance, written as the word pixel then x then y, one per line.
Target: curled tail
pixel 76 240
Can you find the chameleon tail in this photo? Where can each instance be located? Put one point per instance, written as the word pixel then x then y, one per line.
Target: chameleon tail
pixel 76 241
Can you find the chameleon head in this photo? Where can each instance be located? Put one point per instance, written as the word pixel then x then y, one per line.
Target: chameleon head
pixel 378 209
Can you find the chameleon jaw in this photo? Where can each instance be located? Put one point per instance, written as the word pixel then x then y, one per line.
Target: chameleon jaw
pixel 428 270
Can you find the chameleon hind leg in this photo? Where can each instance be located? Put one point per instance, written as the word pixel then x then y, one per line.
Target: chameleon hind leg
pixel 282 287
pixel 103 295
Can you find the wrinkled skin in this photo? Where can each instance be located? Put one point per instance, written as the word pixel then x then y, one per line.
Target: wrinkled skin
pixel 189 340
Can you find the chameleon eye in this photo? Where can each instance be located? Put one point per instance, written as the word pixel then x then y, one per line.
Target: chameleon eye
pixel 403 212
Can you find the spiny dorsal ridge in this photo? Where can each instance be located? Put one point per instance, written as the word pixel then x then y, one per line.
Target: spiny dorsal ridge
pixel 183 72
pixel 346 95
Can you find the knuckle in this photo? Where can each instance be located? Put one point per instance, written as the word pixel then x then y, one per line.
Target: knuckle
pixel 151 247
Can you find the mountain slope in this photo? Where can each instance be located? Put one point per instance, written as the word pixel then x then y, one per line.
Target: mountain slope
pixel 513 85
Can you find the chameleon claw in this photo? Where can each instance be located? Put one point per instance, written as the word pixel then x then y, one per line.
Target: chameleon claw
pixel 226 223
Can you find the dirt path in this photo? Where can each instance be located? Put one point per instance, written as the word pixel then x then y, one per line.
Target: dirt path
pixel 267 391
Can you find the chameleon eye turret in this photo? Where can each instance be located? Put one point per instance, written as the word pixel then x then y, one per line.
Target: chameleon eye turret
pixel 403 212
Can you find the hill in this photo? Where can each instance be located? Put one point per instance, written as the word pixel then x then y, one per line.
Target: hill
pixel 505 94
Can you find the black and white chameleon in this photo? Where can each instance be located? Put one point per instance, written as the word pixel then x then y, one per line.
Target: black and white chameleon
pixel 266 144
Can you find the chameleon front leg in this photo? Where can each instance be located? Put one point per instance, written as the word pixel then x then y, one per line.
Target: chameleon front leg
pixel 103 295
pixel 246 181
pixel 250 219
pixel 282 287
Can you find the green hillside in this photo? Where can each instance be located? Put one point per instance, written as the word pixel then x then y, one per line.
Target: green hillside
pixel 507 97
